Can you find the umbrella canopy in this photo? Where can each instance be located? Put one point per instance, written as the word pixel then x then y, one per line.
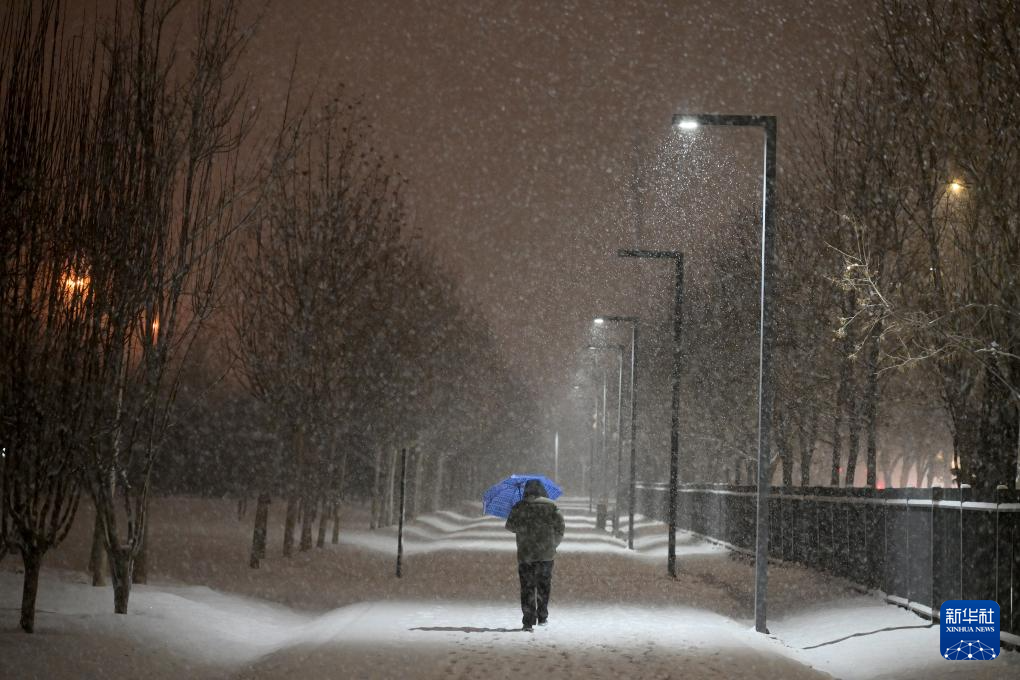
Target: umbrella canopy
pixel 502 496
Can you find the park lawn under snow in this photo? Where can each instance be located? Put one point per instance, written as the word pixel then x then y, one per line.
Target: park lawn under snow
pixel 340 613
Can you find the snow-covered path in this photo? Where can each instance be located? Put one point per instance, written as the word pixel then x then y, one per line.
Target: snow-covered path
pixel 479 640
pixel 454 614
pixel 586 637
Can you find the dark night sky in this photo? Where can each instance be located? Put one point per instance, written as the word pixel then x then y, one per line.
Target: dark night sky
pixel 516 124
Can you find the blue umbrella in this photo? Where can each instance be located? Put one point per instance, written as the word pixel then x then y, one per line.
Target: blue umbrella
pixel 502 496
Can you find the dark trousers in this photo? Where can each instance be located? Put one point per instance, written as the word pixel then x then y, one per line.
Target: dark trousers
pixel 536 583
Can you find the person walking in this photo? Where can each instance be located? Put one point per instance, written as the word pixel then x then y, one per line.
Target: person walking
pixel 539 526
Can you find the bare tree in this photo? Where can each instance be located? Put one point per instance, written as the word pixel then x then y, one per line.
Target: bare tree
pixel 855 176
pixel 958 202
pixel 327 239
pixel 46 313
pixel 162 204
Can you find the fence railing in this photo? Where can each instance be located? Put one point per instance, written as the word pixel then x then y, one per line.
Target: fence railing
pixel 920 546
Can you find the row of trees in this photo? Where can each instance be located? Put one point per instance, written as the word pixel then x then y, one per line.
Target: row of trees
pixel 117 189
pixel 352 337
pixel 127 221
pixel 897 312
pixel 899 233
pixel 908 182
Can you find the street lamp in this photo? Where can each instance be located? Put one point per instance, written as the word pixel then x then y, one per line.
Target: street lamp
pixel 556 456
pixel 594 432
pixel 689 122
pixel 674 431
pixel 602 447
pixel 619 438
pixel 632 320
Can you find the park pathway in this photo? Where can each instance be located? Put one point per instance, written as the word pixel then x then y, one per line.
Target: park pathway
pixel 614 614
pixel 340 612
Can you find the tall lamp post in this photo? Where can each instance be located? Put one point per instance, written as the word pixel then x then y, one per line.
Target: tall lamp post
pixel 619 437
pixel 690 122
pixel 601 446
pixel 594 431
pixel 556 455
pixel 632 320
pixel 591 439
pixel 674 431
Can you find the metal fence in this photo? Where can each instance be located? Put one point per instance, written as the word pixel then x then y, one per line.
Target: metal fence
pixel 919 546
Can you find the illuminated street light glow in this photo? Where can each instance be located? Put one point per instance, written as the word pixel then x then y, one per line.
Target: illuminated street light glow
pixel 74 283
pixel 598 321
pixel 688 124
pixel 956 186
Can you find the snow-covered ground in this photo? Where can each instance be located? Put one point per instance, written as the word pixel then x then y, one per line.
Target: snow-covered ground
pixel 341 613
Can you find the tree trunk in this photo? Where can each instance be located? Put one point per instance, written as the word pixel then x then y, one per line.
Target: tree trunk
pixel 97 556
pixel 384 490
pixel 389 488
pixel 373 523
pixel 419 457
pixel 120 572
pixel 308 505
pixel 905 464
pixel 871 409
pixel 408 490
pixel 842 392
pixel 140 572
pixel 787 461
pixel 336 522
pixel 258 540
pixel 320 539
pixel 437 490
pixel 785 450
pixel 32 559
pixel 335 508
pixel 924 474
pixel 995 461
pixel 807 449
pixel 853 427
pixel 289 524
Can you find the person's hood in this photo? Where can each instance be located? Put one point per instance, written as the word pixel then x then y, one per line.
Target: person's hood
pixel 535 488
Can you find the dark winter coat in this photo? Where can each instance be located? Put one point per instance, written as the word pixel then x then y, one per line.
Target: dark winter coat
pixel 539 527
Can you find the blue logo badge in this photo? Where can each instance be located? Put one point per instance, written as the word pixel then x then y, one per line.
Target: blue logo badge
pixel 969 630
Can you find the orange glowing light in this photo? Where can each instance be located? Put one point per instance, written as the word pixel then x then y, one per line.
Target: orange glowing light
pixel 75 284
